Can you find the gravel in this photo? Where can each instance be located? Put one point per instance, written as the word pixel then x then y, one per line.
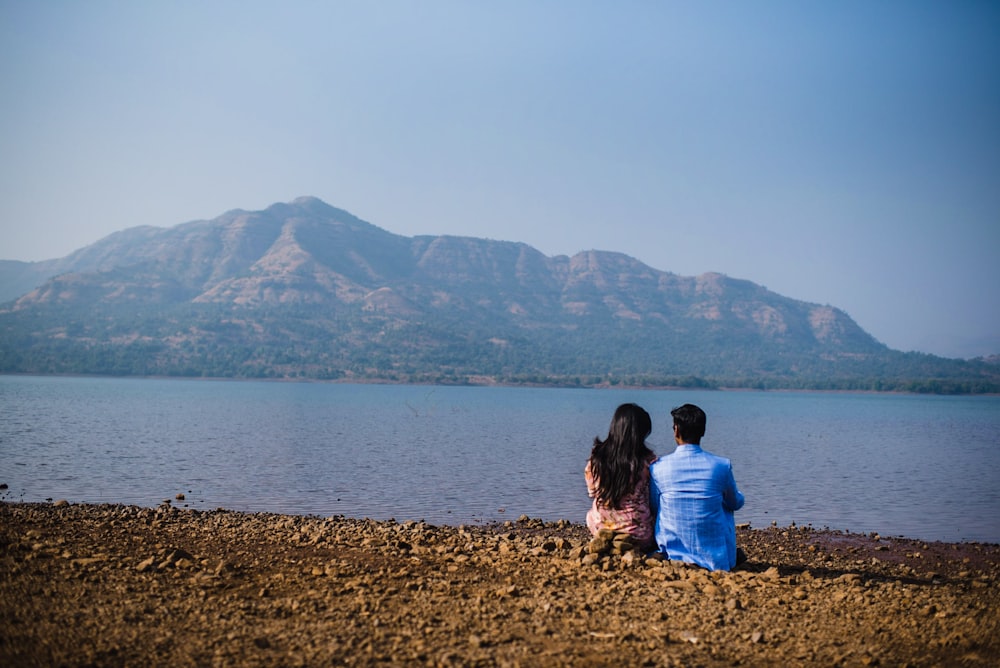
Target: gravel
pixel 114 585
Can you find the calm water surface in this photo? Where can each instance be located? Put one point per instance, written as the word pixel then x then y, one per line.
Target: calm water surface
pixel 920 466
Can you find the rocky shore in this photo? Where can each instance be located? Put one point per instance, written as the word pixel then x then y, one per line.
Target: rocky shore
pixel 111 585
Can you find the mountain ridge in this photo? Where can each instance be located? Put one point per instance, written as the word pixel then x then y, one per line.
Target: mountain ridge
pixel 306 290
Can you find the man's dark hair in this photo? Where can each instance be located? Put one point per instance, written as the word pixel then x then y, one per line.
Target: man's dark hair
pixel 690 422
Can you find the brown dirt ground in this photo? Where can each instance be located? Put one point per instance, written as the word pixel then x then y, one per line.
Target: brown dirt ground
pixel 111 585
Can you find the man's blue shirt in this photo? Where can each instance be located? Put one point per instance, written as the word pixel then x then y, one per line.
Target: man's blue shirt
pixel 693 496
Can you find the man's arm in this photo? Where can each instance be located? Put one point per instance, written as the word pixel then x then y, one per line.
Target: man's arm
pixel 654 497
pixel 732 497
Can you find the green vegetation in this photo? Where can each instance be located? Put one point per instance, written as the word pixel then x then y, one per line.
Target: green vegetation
pixel 298 342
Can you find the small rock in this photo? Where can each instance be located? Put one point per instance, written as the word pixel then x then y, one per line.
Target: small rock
pixel 598 545
pixel 622 546
pixel 511 590
pixel 654 560
pixel 176 554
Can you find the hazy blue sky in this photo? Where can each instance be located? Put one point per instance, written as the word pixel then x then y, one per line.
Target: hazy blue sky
pixel 841 152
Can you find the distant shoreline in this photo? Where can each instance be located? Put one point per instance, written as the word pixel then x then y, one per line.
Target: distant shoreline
pixel 564 386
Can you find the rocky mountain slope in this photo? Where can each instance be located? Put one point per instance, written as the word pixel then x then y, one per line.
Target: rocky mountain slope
pixel 303 289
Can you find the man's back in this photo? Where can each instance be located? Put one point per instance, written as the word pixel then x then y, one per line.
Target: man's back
pixel 693 495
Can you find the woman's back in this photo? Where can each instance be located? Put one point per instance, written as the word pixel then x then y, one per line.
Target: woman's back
pixel 631 516
pixel 617 475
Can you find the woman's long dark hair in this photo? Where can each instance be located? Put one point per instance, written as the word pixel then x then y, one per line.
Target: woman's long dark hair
pixel 617 462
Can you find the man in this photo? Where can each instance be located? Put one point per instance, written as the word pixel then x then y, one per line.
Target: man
pixel 693 496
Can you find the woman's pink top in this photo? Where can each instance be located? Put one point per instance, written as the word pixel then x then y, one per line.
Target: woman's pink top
pixel 633 517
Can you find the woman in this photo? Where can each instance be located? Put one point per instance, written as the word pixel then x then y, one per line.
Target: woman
pixel 617 475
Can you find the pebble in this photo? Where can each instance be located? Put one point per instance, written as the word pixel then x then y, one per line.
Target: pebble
pixel 320 591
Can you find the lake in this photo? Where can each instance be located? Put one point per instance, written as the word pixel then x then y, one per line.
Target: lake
pixel 920 466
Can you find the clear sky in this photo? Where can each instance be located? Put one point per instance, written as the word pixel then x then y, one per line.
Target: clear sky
pixel 843 152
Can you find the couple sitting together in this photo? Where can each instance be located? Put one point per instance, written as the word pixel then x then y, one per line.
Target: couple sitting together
pixel 680 505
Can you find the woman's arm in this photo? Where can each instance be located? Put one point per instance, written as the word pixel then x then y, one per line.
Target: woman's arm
pixel 591 483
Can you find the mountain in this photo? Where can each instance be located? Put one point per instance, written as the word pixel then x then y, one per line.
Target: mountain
pixel 305 290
